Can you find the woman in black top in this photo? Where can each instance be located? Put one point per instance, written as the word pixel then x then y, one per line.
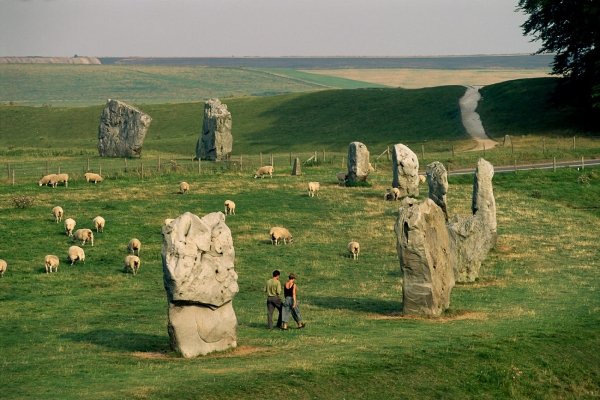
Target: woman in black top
pixel 290 304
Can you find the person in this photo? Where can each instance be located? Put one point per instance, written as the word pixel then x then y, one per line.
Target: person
pixel 273 291
pixel 290 304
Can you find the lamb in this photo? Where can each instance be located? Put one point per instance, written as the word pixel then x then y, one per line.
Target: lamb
pixel 229 207
pixel 63 178
pixel 76 253
pixel 51 263
pixel 184 187
pixel 354 249
pixel 58 213
pixel 69 226
pixel 132 263
pixel 278 233
pixel 92 177
pixel 50 180
pixel 341 177
pixel 3 267
pixel 392 194
pixel 313 188
pixel 266 170
pixel 99 223
pixel 134 246
pixel 85 235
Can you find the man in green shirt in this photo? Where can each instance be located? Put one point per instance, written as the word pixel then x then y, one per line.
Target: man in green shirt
pixel 273 291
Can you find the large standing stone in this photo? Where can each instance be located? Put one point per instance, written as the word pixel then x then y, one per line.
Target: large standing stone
pixel 297 168
pixel 358 162
pixel 215 142
pixel 200 280
pixel 405 164
pixel 426 258
pixel 437 180
pixel 122 130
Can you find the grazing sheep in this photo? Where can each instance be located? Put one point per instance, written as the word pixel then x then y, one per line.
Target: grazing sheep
pixel 313 188
pixel 99 223
pixel 76 253
pixel 341 177
pixel 167 221
pixel 51 263
pixel 278 233
pixel 184 187
pixel 354 249
pixel 134 246
pixel 3 267
pixel 69 226
pixel 50 180
pixel 63 178
pixel 266 170
pixel 392 194
pixel 422 179
pixel 85 235
pixel 58 213
pixel 132 263
pixel 92 177
pixel 229 207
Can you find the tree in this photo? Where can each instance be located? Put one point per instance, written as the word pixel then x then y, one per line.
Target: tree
pixel 571 30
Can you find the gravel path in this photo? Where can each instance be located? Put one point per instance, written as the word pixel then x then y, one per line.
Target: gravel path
pixel 472 121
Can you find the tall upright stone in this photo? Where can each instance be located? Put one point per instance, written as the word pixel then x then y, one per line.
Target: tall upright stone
pixel 358 162
pixel 405 164
pixel 200 281
pixel 216 141
pixel 122 130
pixel 437 180
pixel 297 167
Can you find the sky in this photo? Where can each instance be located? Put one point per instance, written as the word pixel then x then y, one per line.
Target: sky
pixel 263 28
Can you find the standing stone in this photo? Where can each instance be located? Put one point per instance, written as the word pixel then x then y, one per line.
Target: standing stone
pixel 122 130
pixel 297 168
pixel 405 164
pixel 215 141
pixel 426 258
pixel 200 281
pixel 437 180
pixel 358 162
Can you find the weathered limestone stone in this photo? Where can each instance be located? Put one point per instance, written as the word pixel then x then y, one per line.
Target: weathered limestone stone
pixel 358 162
pixel 215 142
pixel 297 168
pixel 122 130
pixel 426 257
pixel 437 180
pixel 405 164
pixel 200 281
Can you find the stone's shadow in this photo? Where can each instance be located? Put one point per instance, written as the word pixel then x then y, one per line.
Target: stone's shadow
pixel 357 304
pixel 123 341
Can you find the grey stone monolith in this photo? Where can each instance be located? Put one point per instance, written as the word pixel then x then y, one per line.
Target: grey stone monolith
pixel 437 181
pixel 405 164
pixel 201 282
pixel 297 167
pixel 122 130
pixel 216 141
pixel 358 162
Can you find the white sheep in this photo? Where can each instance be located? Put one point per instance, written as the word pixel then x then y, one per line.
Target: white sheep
pixel 69 226
pixel 392 194
pixel 354 249
pixel 92 177
pixel 76 253
pixel 422 179
pixel 313 188
pixel 58 213
pixel 184 187
pixel 134 246
pixel 84 235
pixel 229 207
pixel 3 267
pixel 265 170
pixel 99 223
pixel 132 263
pixel 278 233
pixel 50 180
pixel 341 177
pixel 63 178
pixel 51 263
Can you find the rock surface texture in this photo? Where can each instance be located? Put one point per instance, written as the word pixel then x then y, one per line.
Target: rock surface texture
pixel 437 180
pixel 358 162
pixel 216 141
pixel 200 281
pixel 405 164
pixel 122 130
pixel 297 167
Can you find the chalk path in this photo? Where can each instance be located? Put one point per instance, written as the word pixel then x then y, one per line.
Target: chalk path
pixel 472 121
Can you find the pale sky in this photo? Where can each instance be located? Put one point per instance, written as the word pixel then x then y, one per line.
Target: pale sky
pixel 213 28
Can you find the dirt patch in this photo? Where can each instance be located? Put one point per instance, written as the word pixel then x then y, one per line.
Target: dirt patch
pixel 149 355
pixel 454 316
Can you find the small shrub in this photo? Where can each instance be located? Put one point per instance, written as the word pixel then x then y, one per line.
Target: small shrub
pixel 22 201
pixel 583 179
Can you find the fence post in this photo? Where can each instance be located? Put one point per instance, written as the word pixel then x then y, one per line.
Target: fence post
pixel 515 163
pixel 242 163
pixel 271 159
pixel 573 142
pixel 290 159
pixel 323 156
pixel 512 147
pixel 8 170
pixel 452 151
pixel 261 159
pixel 316 158
pixel 544 146
pixel 199 166
pixel 343 161
pixel 59 169
pixel 554 163
pixel 388 153
pixel 13 177
pixel 423 151
pixel 100 169
pixel 142 175
pixel 158 162
pixel 582 164
pixel 88 164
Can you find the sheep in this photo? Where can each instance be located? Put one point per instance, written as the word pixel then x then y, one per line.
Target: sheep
pixel 313 188
pixel 76 253
pixel 63 178
pixel 392 194
pixel 58 213
pixel 354 249
pixel 266 170
pixel 69 226
pixel 132 263
pixel 3 267
pixel 229 207
pixel 85 235
pixel 278 233
pixel 184 187
pixel 134 246
pixel 51 263
pixel 50 180
pixel 92 177
pixel 99 223
pixel 422 179
pixel 167 221
pixel 341 177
